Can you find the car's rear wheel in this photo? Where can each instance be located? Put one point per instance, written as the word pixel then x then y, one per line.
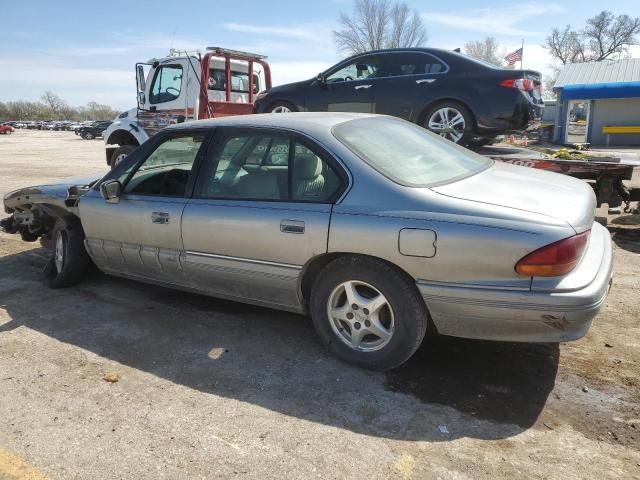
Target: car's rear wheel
pixel 450 120
pixel 120 153
pixel 368 313
pixel 89 136
pixel 282 107
pixel 70 259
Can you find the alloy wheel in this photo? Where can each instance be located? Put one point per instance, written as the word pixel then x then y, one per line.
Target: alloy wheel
pixel 281 109
pixel 361 316
pixel 448 123
pixel 58 255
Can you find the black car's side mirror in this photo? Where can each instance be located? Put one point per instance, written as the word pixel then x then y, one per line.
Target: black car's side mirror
pixel 321 79
pixel 111 191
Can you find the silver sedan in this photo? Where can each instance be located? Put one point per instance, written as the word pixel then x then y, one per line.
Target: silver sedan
pixel 374 226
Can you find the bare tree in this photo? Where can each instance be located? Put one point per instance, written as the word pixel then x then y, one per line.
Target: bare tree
pixel 488 50
pixel 54 103
pixel 603 37
pixel 377 24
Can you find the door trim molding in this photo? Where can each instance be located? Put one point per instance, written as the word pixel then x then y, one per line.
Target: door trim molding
pixel 242 259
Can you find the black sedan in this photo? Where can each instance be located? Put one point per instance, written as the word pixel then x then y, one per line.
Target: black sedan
pixel 457 96
pixel 94 130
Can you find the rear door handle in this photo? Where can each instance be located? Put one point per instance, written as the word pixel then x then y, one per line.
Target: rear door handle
pixel 425 80
pixel 360 87
pixel 161 218
pixel 292 226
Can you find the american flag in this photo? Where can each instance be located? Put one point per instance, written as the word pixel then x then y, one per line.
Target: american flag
pixel 514 57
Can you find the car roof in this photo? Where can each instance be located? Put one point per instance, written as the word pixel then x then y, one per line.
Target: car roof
pixel 292 121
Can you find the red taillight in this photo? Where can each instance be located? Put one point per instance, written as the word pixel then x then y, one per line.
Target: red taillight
pixel 519 83
pixel 556 259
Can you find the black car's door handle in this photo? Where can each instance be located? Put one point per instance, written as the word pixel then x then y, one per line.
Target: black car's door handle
pixel 161 218
pixel 361 87
pixel 292 226
pixel 425 80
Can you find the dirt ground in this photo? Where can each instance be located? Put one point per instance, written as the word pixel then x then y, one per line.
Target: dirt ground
pixel 213 389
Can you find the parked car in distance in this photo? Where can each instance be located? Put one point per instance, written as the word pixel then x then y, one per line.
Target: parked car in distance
pixel 6 129
pixel 452 94
pixel 94 130
pixel 371 224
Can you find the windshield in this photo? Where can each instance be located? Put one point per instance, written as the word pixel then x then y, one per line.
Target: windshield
pixel 408 154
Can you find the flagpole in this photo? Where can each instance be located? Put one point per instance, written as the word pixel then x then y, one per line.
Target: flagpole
pixel 521 54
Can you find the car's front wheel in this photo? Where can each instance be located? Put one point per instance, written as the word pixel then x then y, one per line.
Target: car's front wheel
pixel 282 107
pixel 450 120
pixel 70 260
pixel 368 313
pixel 88 136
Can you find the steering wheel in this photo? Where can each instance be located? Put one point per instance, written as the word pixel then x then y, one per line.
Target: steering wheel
pixel 348 79
pixel 168 90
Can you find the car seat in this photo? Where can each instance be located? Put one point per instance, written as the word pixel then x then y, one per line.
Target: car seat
pixel 308 179
pixel 258 183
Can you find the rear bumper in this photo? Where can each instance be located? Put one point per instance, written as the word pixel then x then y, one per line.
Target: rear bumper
pixel 519 316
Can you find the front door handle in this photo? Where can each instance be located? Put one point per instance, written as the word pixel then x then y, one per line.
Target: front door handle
pixel 425 80
pixel 161 218
pixel 292 226
pixel 361 87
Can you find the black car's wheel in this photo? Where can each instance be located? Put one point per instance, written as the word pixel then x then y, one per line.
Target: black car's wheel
pixel 120 153
pixel 281 107
pixel 70 259
pixel 451 120
pixel 368 313
pixel 89 136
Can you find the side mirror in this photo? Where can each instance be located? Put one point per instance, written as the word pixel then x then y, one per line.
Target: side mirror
pixel 141 100
pixel 111 190
pixel 320 78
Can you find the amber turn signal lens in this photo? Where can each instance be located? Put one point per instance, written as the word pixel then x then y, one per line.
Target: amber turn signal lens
pixel 556 259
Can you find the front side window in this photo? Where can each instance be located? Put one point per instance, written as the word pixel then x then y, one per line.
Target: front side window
pixel 167 84
pixel 166 171
pixel 406 153
pixel 269 167
pixel 361 69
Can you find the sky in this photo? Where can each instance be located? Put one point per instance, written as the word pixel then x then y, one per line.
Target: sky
pixel 86 51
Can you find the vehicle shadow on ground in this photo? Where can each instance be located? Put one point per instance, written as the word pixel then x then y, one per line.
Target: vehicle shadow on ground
pixel 485 390
pixel 628 239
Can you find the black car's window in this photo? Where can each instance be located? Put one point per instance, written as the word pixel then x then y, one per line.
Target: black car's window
pixel 415 64
pixel 266 166
pixel 166 170
pixel 167 84
pixel 360 69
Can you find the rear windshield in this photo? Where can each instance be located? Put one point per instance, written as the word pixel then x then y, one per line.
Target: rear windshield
pixel 406 153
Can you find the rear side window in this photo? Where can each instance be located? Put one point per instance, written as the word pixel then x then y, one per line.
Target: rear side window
pixel 406 153
pixel 272 167
pixel 415 64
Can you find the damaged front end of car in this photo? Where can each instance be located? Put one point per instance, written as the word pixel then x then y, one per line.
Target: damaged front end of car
pixel 34 210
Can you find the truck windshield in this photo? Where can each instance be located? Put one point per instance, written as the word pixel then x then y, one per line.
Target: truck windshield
pixel 406 153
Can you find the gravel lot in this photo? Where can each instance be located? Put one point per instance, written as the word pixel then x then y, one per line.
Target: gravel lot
pixel 214 389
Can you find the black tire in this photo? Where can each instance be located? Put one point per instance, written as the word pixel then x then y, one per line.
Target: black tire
pixel 279 105
pixel 409 313
pixel 75 261
pixel 89 136
pixel 119 154
pixel 469 125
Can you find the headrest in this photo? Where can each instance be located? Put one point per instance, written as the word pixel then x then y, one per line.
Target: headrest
pixel 307 165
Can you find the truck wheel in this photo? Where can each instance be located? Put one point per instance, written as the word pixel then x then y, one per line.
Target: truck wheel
pixel 120 153
pixel 450 120
pixel 70 259
pixel 282 107
pixel 368 313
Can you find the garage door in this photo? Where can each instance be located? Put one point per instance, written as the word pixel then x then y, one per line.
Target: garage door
pixel 622 111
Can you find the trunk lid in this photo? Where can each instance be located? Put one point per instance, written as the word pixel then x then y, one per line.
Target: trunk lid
pixel 521 188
